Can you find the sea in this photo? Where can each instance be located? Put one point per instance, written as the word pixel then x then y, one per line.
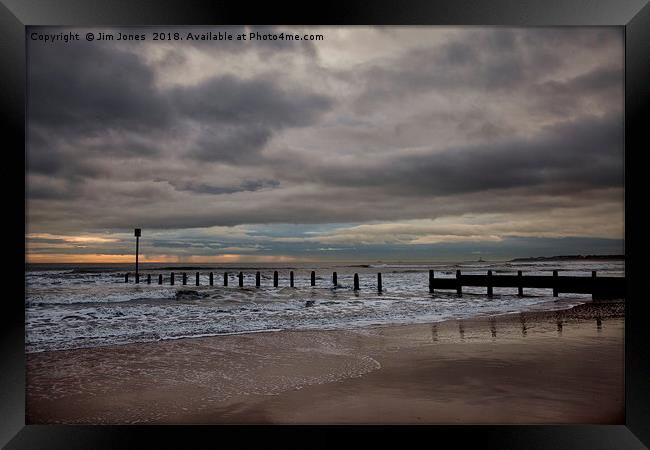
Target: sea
pixel 69 306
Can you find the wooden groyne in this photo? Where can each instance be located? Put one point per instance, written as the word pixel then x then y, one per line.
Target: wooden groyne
pixel 598 287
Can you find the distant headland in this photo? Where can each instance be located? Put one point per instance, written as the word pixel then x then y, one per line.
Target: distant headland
pixel 570 258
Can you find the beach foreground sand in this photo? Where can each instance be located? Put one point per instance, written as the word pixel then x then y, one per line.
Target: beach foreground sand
pixel 538 367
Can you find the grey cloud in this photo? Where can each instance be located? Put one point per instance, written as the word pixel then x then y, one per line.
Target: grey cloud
pixel 238 117
pixel 91 88
pixel 245 186
pixel 579 38
pixel 230 144
pixel 229 100
pixel 86 100
pixel 256 185
pixel 577 155
pixel 183 244
pixel 604 84
pixel 48 190
pixel 483 59
pixel 486 59
pixel 42 156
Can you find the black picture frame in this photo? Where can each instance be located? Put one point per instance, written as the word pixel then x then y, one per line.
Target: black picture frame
pixel 633 15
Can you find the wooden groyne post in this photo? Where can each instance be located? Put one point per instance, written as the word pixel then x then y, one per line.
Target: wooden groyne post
pixel 291 278
pixel 184 278
pixel 356 281
pixel 313 278
pixel 160 280
pixel 211 279
pixel 334 279
pixel 379 286
pixel 225 278
pixel 520 288
pixel 459 289
pixel 489 286
pixel 197 278
pixel 148 278
pixel 126 277
pixel 171 279
pixel 241 279
pixel 275 279
pixel 257 279
pixel 555 290
pixel 431 278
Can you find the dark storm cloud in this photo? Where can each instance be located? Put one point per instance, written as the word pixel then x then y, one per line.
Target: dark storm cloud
pixel 229 100
pixel 89 102
pixel 53 189
pixel 86 102
pixel 230 144
pixel 239 116
pixel 245 186
pixel 573 156
pixel 565 97
pixel 91 88
pixel 114 87
pixel 42 156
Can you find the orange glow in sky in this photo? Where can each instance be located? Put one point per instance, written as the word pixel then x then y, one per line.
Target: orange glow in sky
pixel 130 258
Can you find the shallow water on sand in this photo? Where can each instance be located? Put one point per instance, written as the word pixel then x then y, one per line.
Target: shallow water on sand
pixel 521 368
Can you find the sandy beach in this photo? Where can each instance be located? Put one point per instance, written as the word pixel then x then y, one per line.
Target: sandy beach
pixel 535 367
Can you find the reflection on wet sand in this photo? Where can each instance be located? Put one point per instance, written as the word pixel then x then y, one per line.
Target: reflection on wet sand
pixel 517 326
pixel 560 318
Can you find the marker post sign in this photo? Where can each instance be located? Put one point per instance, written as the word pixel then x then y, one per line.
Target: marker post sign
pixel 138 232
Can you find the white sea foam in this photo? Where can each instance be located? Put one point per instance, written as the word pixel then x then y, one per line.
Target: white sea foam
pixel 76 307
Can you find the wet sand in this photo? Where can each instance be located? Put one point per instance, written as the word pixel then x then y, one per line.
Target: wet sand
pixel 538 367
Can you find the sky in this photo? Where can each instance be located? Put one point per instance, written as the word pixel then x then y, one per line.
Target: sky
pixel 374 143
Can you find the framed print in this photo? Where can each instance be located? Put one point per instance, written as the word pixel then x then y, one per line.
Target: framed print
pixel 237 215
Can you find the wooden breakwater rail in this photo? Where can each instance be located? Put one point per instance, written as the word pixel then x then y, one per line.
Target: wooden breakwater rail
pixel 598 287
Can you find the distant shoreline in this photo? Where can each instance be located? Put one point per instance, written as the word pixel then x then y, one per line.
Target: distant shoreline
pixel 570 258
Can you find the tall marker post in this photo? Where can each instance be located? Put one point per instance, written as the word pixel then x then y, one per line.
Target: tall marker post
pixel 138 232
